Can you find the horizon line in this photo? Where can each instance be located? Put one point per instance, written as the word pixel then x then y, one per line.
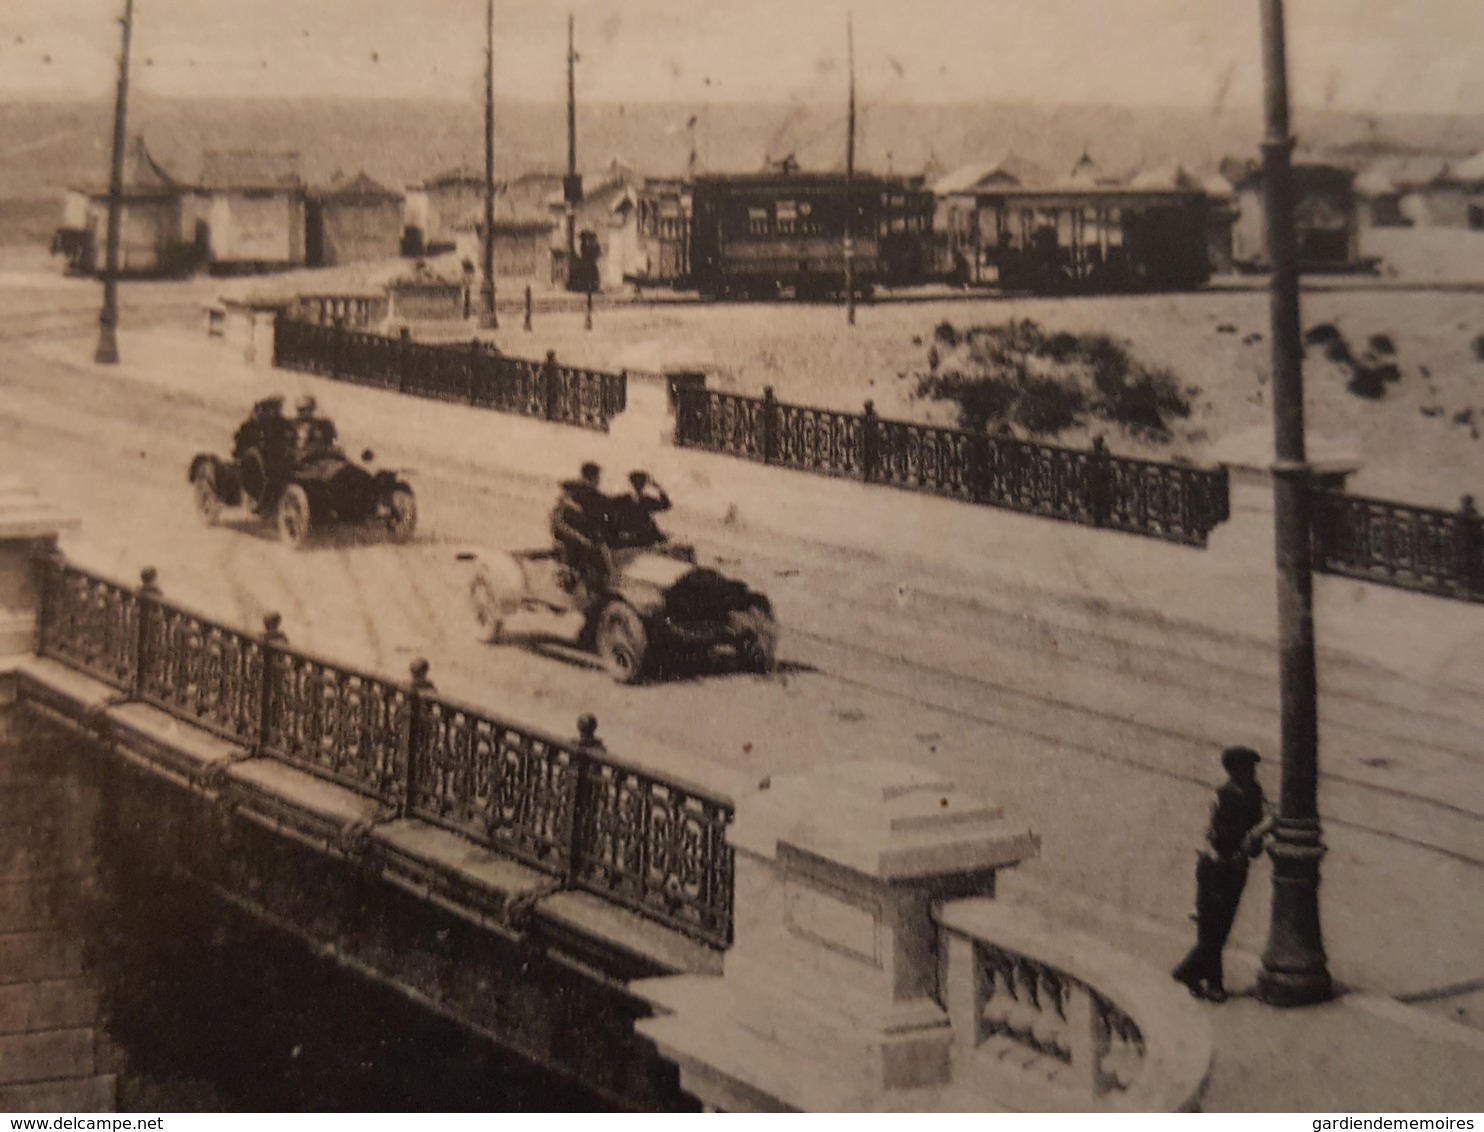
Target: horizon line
pixel 105 100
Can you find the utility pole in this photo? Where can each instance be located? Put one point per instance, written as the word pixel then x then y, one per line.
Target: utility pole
pixel 487 288
pixel 572 185
pixel 107 352
pixel 850 178
pixel 1294 972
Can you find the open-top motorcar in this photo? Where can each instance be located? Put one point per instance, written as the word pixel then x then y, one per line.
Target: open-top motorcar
pixel 301 490
pixel 654 610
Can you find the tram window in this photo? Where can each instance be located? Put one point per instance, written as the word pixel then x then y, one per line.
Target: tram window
pixel 757 222
pixel 788 214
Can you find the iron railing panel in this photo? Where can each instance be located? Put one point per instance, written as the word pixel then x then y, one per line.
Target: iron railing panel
pixel 495 782
pixel 89 623
pixel 201 671
pixel 655 847
pixel 338 724
pixel 466 373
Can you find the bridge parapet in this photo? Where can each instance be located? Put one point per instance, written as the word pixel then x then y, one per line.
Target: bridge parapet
pixel 873 971
pixel 589 819
pixel 1054 1020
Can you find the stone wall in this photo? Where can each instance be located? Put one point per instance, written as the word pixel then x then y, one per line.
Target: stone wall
pixel 52 1055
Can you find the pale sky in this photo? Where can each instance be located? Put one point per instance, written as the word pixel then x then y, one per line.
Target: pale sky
pixel 1369 55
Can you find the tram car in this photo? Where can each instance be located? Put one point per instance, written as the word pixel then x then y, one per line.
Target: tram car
pixel 1087 239
pixel 760 235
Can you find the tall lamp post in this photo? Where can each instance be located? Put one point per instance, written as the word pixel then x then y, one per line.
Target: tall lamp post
pixel 849 248
pixel 572 183
pixel 488 317
pixel 1294 972
pixel 107 352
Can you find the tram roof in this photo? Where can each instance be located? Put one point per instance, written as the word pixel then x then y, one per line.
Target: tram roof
pixel 1101 196
pixel 803 180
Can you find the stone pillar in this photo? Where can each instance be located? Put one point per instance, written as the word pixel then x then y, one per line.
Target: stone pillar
pixel 27 525
pixel 830 995
pixel 1249 460
pixel 647 418
pixel 53 1057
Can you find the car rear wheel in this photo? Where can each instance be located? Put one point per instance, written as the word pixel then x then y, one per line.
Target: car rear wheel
pixel 622 642
pixel 402 517
pixel 208 502
pixel 294 518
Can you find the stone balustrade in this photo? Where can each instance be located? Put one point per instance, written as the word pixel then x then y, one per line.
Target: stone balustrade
pixel 1057 1020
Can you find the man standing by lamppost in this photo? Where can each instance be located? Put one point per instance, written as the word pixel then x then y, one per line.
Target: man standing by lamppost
pixel 107 352
pixel 1294 971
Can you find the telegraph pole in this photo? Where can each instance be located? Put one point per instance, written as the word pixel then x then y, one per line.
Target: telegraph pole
pixel 487 288
pixel 1294 971
pixel 107 352
pixel 850 178
pixel 572 186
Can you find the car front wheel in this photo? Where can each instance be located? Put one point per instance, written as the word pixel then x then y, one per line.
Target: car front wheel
pixel 208 502
pixel 756 635
pixel 294 519
pixel 622 642
pixel 402 514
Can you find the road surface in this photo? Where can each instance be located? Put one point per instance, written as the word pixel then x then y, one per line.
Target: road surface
pixel 1098 729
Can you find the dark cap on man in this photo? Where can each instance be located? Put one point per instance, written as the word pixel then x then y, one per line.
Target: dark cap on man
pixel 591 471
pixel 638 479
pixel 1235 758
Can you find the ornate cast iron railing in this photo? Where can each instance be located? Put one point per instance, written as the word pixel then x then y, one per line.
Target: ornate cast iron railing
pixel 1176 502
pixel 565 807
pixel 1399 544
pixel 1059 1014
pixel 89 623
pixel 201 671
pixel 471 373
pixel 654 846
pixel 495 782
pixel 337 723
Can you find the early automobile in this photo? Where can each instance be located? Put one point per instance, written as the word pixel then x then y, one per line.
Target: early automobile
pixel 655 609
pixel 293 473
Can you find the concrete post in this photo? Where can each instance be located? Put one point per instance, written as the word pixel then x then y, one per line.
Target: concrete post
pixel 830 995
pixel 28 525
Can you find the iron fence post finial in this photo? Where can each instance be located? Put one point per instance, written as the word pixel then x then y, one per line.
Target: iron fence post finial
pixel 413 738
pixel 1467 540
pixel 549 380
pixel 587 732
pixel 419 669
pixel 273 639
pixel 1100 482
pixel 148 595
pixel 770 425
pixel 868 442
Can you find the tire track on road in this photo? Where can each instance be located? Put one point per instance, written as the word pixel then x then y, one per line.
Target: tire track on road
pixel 1063 738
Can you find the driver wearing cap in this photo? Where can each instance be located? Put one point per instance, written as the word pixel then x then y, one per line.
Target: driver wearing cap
pixel 578 524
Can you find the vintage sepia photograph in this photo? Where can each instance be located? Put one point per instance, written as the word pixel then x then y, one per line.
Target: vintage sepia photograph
pixel 857 556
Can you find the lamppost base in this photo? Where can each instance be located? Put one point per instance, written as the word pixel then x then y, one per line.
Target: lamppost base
pixel 1294 988
pixel 1294 969
pixel 107 353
